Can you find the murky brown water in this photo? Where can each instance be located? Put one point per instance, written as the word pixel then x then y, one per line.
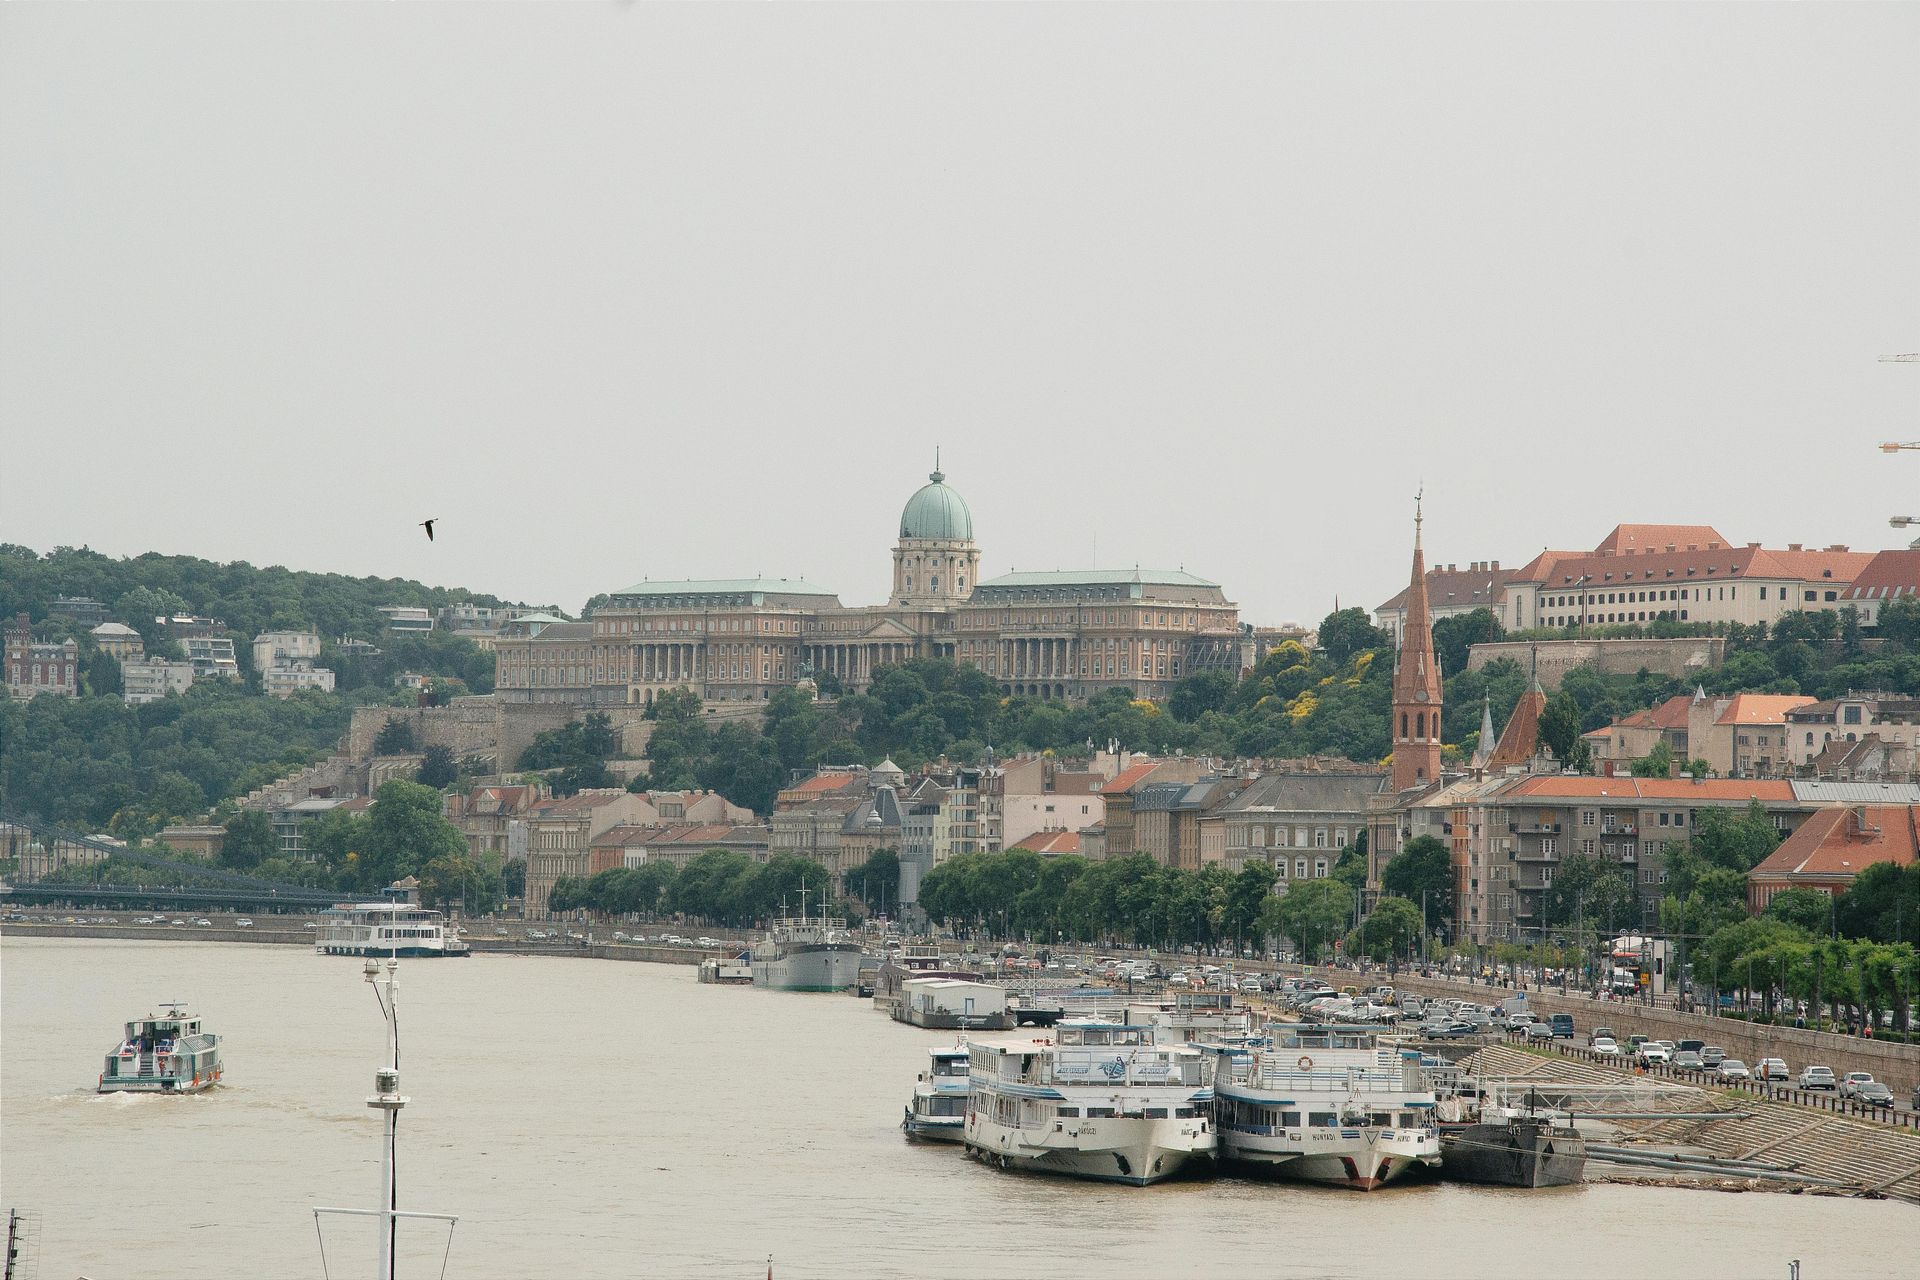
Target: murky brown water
pixel 606 1119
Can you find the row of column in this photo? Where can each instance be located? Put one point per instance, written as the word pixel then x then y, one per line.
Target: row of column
pixel 855 663
pixel 1037 659
pixel 665 663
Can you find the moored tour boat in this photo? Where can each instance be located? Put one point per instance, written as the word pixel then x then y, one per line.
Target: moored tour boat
pixel 1324 1104
pixel 807 954
pixel 938 1111
pixel 386 929
pixel 737 970
pixel 163 1053
pixel 1098 1100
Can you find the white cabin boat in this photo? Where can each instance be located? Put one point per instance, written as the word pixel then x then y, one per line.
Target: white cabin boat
pixel 163 1053
pixel 1324 1104
pixel 386 929
pixel 737 971
pixel 938 1111
pixel 1096 1100
pixel 954 1004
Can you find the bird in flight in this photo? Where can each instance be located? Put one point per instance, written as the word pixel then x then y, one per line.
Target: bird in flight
pixel 428 526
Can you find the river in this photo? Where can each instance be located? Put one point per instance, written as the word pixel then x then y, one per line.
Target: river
pixel 606 1119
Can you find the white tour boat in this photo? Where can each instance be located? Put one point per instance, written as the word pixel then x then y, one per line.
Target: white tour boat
pixel 1096 1100
pixel 938 1112
pixel 807 953
pixel 163 1053
pixel 1324 1104
pixel 386 930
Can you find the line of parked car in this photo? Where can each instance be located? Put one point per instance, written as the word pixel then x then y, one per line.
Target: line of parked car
pixel 1697 1056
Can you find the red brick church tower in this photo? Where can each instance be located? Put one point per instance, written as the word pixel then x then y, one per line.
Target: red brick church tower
pixel 1416 685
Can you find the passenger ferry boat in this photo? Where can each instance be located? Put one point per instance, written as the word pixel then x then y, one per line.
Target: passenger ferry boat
pixel 807 953
pixel 163 1053
pixel 386 929
pixel 913 960
pixel 1097 1100
pixel 1324 1104
pixel 938 1112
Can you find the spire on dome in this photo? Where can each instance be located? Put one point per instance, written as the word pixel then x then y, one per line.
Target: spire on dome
pixel 937 475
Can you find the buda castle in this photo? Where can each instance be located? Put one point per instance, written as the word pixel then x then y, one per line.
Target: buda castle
pixel 1046 635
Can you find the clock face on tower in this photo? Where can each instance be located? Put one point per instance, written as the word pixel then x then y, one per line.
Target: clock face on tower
pixel 1419 695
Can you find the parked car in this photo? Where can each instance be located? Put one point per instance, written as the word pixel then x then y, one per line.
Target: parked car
pixel 1562 1024
pixel 1655 1055
pixel 1850 1083
pixel 1635 1041
pixel 1693 1045
pixel 1733 1069
pixel 1771 1069
pixel 243 923
pixel 1817 1078
pixel 1875 1094
pixel 1601 1033
pixel 1687 1060
pixel 1605 1047
pixel 1713 1055
pixel 1539 1031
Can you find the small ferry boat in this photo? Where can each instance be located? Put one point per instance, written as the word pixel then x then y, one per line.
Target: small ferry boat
pixel 386 929
pixel 910 961
pixel 737 970
pixel 1097 1100
pixel 163 1053
pixel 1324 1104
pixel 938 1112
pixel 807 953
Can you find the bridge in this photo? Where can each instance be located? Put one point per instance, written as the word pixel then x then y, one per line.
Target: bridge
pixel 38 851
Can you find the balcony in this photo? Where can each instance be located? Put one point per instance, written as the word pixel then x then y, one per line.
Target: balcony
pixel 1534 828
pixel 1619 829
pixel 1524 854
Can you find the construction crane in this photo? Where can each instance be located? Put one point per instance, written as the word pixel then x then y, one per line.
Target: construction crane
pixel 1905 357
pixel 1895 446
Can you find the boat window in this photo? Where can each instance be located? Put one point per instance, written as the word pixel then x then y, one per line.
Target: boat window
pixel 1071 1113
pixel 1320 1120
pixel 1186 1113
pixel 1100 1113
pixel 1290 1119
pixel 1409 1120
pixel 1156 1113
pixel 1381 1118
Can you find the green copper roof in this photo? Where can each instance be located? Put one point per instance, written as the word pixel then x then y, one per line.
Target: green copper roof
pixel 937 512
pixel 724 586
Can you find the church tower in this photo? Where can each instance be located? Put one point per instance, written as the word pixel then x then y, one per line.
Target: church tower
pixel 1416 684
pixel 935 563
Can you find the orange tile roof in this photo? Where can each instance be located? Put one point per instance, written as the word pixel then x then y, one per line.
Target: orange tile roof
pixel 1450 587
pixel 1052 842
pixel 1889 574
pixel 1583 788
pixel 824 782
pixel 1638 539
pixel 1841 567
pixel 1761 708
pixel 1831 842
pixel 1129 778
pixel 1521 738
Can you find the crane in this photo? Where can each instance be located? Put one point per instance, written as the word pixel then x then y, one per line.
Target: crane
pixel 1895 446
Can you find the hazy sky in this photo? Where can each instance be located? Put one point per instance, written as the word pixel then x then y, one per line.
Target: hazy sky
pixel 628 291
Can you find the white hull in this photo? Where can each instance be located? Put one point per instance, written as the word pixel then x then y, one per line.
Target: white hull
pixel 822 969
pixel 1361 1160
pixel 1110 1149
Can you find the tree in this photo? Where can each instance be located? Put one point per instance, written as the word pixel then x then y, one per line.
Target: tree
pixel 394 739
pixel 1657 763
pixel 438 769
pixel 1350 868
pixel 455 877
pixel 1803 908
pixel 1422 870
pixel 1347 632
pixel 1882 904
pixel 406 830
pixel 1246 894
pixel 1590 893
pixel 1560 726
pixel 1313 913
pixel 1455 635
pixel 1199 693
pixel 875 882
pixel 1391 928
pixel 249 839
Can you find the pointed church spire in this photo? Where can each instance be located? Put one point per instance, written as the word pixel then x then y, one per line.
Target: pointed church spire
pixel 1416 680
pixel 1483 750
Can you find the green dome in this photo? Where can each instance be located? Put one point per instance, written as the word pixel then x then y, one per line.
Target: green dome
pixel 937 512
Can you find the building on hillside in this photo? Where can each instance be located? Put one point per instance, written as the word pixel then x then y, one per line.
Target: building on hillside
pixel 1890 575
pixel 34 667
pixel 674 844
pixel 1050 635
pixel 198 841
pixel 1644 573
pixel 1119 838
pixel 1169 820
pixel 183 626
pixel 1632 737
pixel 145 680
pixel 404 619
pixel 1861 737
pixel 1298 822
pixel 1832 847
pixel 539 657
pixel 285 661
pixel 83 611
pixel 212 657
pixel 1743 735
pixel 119 641
pixel 290 821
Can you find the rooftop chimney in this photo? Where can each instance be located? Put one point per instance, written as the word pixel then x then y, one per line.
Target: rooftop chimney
pixel 1793 546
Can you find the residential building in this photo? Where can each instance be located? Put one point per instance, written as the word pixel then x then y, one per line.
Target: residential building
pixel 1890 575
pixel 1632 737
pixel 558 837
pixel 285 661
pixel 84 611
pixel 200 841
pixel 290 821
pixel 485 816
pixel 1743 735
pixel 674 843
pixel 1863 737
pixel 1052 635
pixel 1038 794
pixel 1119 836
pixel 1832 847
pixel 151 679
pixel 180 626
pixel 119 641
pixel 403 619
pixel 1050 844
pixel 212 657
pixel 34 667
pixel 1298 821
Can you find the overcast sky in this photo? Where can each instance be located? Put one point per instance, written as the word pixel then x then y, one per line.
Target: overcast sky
pixel 627 291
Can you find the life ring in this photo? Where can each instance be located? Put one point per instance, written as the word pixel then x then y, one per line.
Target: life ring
pixel 1305 1063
